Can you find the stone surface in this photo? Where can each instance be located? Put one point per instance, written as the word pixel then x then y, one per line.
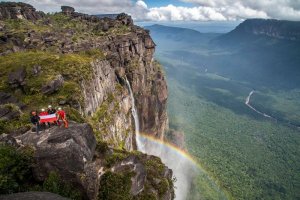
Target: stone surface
pixel 12 10
pixel 73 155
pixel 7 114
pixel 67 10
pixel 65 151
pixel 8 140
pixel 6 98
pixel 133 164
pixel 36 70
pixel 53 86
pixel 16 78
pixel 32 196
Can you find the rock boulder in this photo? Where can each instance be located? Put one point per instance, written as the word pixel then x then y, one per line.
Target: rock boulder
pixel 12 10
pixel 65 151
pixel 17 78
pixel 53 85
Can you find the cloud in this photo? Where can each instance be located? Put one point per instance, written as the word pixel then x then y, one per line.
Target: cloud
pixel 202 10
pixel 87 6
pixel 278 9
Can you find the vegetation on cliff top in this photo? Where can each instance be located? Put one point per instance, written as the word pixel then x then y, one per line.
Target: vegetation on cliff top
pixel 73 67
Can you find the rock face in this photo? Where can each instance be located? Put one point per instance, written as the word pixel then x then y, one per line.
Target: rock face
pixel 17 78
pixel 73 155
pixel 10 10
pixel 124 52
pixel 133 61
pixel 66 151
pixel 53 85
pixel 67 10
pixel 6 98
pixel 280 29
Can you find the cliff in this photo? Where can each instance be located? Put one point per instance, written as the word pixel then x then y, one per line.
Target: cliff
pixel 81 63
pixel 280 29
pixel 266 29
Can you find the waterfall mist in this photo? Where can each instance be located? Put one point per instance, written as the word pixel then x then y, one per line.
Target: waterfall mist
pixel 183 169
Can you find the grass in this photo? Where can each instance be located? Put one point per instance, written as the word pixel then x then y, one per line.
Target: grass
pixel 73 67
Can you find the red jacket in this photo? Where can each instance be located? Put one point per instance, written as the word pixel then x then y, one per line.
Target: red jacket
pixel 61 114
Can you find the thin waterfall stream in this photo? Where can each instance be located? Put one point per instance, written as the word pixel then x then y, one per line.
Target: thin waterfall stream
pixel 139 143
pixel 183 168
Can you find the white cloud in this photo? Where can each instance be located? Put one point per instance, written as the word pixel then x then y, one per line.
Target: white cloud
pixel 203 10
pixel 278 9
pixel 173 13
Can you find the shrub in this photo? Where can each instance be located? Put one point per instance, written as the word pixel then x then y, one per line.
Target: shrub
pixel 15 168
pixel 55 185
pixel 115 186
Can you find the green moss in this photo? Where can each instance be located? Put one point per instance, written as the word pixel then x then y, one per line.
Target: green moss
pixel 74 115
pixel 115 186
pixel 119 88
pixel 155 163
pixel 115 157
pixel 102 147
pixel 18 26
pixel 158 67
pixel 14 124
pixel 15 168
pixel 155 178
pixel 56 185
pixel 146 196
pixel 74 68
pixel 104 116
pixel 163 187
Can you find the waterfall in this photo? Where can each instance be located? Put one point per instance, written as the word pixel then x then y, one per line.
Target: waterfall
pixel 183 168
pixel 139 143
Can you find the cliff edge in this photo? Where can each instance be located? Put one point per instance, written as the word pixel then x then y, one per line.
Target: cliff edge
pixel 83 63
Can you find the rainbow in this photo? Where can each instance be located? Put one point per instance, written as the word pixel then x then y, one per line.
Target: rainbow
pixel 184 154
pixel 175 148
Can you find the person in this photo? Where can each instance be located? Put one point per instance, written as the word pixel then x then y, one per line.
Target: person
pixel 51 110
pixel 44 113
pixel 35 120
pixel 61 114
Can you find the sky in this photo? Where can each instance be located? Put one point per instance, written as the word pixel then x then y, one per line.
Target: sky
pixel 181 10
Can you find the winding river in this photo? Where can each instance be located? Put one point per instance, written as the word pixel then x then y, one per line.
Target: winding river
pixel 247 102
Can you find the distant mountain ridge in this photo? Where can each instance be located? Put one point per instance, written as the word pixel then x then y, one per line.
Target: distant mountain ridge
pixel 279 29
pixel 179 34
pixel 111 16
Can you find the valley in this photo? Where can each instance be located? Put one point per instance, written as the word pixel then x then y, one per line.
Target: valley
pixel 249 155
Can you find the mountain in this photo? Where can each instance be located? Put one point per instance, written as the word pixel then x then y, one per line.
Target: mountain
pixel 252 29
pixel 111 16
pixel 179 34
pixel 100 71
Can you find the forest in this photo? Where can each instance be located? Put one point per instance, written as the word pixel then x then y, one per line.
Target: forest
pixel 248 155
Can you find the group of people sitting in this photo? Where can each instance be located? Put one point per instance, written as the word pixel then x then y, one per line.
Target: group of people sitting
pixel 49 117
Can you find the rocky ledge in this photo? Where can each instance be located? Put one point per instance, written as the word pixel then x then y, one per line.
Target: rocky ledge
pixel 12 10
pixel 91 168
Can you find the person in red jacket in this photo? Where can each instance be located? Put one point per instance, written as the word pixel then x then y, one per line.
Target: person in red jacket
pixel 61 114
